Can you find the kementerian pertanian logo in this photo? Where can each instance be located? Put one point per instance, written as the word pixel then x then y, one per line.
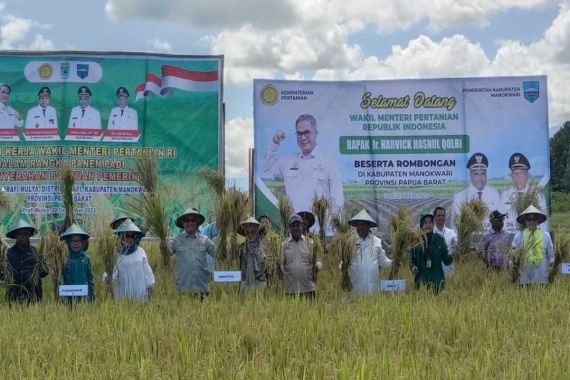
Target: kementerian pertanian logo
pixel 45 71
pixel 531 90
pixel 269 94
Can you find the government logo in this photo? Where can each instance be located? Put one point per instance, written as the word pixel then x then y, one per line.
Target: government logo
pixel 45 71
pixel 64 70
pixel 82 70
pixel 269 94
pixel 531 90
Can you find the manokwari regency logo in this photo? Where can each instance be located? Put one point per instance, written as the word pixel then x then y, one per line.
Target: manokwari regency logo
pixel 269 94
pixel 531 90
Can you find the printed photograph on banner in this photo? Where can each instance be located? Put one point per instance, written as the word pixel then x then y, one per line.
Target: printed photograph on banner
pixel 10 119
pixel 379 145
pixel 99 113
pixel 41 120
pixel 123 120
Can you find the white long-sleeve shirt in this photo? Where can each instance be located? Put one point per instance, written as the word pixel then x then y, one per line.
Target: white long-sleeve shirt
pixel 124 119
pixel 450 237
pixel 305 176
pixel 364 269
pixel 132 276
pixel 41 118
pixel 8 118
pixel 90 119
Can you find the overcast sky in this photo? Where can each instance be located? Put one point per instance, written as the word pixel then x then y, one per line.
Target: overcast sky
pixel 313 39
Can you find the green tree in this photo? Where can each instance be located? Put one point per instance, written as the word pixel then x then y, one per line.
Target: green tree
pixel 560 159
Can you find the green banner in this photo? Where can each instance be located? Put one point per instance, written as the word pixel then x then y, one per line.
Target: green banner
pixel 98 112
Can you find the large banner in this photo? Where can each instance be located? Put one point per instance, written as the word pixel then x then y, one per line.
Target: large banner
pixel 99 111
pixel 383 144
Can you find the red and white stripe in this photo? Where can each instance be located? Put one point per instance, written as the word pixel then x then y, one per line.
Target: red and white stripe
pixel 177 78
pixel 188 80
pixel 149 88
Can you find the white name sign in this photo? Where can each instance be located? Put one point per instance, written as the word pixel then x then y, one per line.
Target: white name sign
pixel 73 291
pixel 392 285
pixel 227 276
pixel 565 268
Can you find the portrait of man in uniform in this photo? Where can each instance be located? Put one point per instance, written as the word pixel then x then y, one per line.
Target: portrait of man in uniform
pixel 42 116
pixel 84 116
pixel 519 166
pixel 122 117
pixel 478 188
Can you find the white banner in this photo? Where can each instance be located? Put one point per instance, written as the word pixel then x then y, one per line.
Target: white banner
pixel 381 144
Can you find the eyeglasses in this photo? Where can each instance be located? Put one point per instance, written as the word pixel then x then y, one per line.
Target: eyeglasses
pixel 304 134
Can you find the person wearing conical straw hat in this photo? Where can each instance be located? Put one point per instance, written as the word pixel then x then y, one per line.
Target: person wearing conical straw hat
pixel 194 255
pixel 296 266
pixel 132 276
pixel 121 218
pixel 251 257
pixel 118 220
pixel 369 258
pixel 538 252
pixel 77 270
pixel 22 257
pixel 308 221
pixel 426 261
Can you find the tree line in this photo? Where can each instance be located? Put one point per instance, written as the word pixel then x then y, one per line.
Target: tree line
pixel 560 159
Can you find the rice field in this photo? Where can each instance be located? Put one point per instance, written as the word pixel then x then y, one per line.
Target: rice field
pixel 481 326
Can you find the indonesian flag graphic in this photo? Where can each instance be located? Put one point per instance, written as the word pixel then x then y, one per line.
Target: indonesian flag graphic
pixel 177 78
pixel 149 88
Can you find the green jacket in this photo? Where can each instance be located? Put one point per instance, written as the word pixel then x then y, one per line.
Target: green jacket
pixel 436 252
pixel 77 271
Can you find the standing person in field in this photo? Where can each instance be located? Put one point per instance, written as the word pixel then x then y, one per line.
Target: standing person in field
pixel 194 255
pixel 9 117
pixel 538 252
pixel 25 285
pixel 296 266
pixel 369 258
pixel 492 247
pixel 426 262
pixel 308 172
pixel 77 270
pixel 251 257
pixel 448 234
pixel 121 218
pixel 132 276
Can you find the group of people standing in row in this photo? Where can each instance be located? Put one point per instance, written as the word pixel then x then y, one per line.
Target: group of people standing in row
pixel 133 277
